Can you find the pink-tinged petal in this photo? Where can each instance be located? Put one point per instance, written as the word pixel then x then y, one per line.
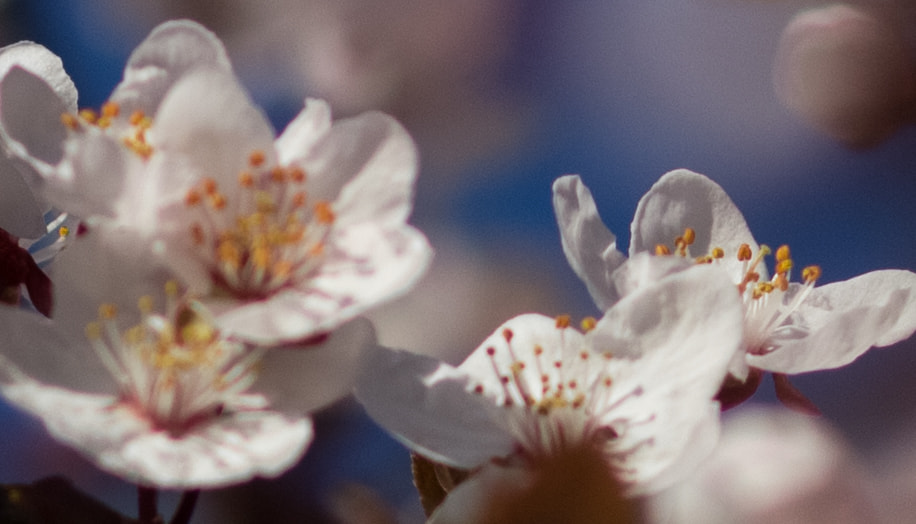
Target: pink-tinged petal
pixel 427 405
pixel 683 330
pixel 590 247
pixel 304 132
pixel 682 199
pixel 368 165
pixel 370 266
pixel 522 333
pixel 171 50
pixel 33 348
pixel 210 122
pixel 229 449
pixel 30 113
pixel 302 378
pixel 841 321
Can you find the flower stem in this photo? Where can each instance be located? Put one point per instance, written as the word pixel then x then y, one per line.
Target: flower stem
pixel 146 505
pixel 185 507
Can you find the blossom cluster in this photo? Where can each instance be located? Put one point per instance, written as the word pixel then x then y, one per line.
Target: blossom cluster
pixel 205 281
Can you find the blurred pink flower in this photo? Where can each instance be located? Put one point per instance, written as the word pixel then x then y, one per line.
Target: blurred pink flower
pixel 848 72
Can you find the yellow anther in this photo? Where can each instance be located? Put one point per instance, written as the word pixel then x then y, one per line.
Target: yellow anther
pixel 783 266
pixel 324 213
pixel 228 252
pixel 764 251
pixel 246 179
pixel 145 304
pixel 193 328
pixel 171 288
pixel 217 201
pixel 588 323
pixel 744 253
pixel 88 115
pixel 137 118
pixel 661 249
pixel 278 174
pixel 563 321
pixel 63 231
pixel 717 252
pixel 781 282
pixel 107 311
pixel 689 236
pixel 296 174
pixel 69 121
pixel 192 198
pixel 93 331
pixel 209 185
pixel 261 256
pixel 782 253
pixel 256 158
pixel 811 273
pixel 110 109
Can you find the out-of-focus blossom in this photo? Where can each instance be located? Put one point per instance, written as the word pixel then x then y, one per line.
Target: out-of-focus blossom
pixel 848 72
pixel 789 327
pixel 284 239
pixel 139 379
pixel 638 384
pixel 773 465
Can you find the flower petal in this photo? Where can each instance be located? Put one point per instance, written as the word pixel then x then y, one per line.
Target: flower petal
pixel 21 214
pixel 368 164
pixel 426 405
pixel 682 199
pixel 33 348
pixel 301 379
pixel 684 330
pixel 230 449
pixel 843 320
pixel 30 113
pixel 590 247
pixel 171 50
pixel 306 130
pixel 222 132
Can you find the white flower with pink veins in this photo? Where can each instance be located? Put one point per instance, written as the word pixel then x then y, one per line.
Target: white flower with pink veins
pixel 137 377
pixel 790 327
pixel 283 239
pixel 638 384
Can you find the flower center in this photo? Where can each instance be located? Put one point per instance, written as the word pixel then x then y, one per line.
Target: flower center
pixel 132 130
pixel 554 397
pixel 767 302
pixel 175 367
pixel 267 236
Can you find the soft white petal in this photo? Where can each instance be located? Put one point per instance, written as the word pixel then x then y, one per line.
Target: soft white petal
pixel 682 199
pixel 301 379
pixel 39 61
pixel 426 405
pixel 590 247
pixel 227 450
pixel 684 329
pixel 107 265
pixel 368 165
pixel 30 113
pixel 21 213
pixel 843 320
pixel 171 50
pixel 209 121
pixel 643 269
pixel 304 132
pixel 33 348
pixel 369 266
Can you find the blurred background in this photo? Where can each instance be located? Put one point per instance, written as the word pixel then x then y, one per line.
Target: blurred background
pixel 802 111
